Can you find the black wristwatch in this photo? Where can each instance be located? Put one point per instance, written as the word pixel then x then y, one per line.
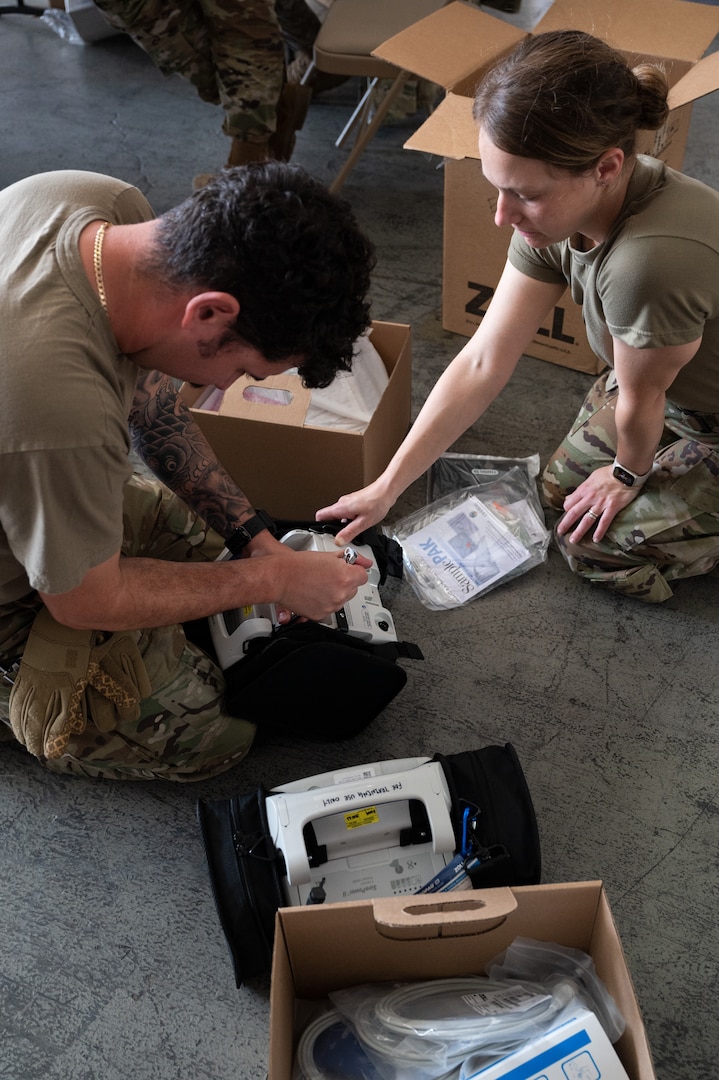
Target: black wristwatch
pixel 241 535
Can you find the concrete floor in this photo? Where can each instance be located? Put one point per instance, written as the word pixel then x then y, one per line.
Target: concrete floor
pixel 112 961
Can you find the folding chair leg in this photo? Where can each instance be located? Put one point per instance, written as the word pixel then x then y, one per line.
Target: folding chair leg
pixel 359 115
pixel 308 74
pixel 367 132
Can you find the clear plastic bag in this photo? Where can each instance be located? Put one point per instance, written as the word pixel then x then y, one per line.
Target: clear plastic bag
pixel 450 472
pixel 452 1029
pixel 466 543
pixel 426 1030
pixel 62 24
pixel 545 960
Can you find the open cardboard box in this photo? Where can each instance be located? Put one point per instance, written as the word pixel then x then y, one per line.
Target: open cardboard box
pixel 323 948
pixel 290 469
pixel 454 47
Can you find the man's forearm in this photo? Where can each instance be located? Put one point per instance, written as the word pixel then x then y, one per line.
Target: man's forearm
pixel 133 593
pixel 166 436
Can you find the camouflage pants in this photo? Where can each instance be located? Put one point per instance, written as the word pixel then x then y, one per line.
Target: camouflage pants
pixel 230 50
pixel 671 529
pixel 182 733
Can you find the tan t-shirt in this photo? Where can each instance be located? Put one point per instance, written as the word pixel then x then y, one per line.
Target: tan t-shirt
pixel 653 282
pixel 66 388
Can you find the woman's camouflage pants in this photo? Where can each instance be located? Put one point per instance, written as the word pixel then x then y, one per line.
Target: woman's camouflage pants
pixel 671 529
pixel 182 733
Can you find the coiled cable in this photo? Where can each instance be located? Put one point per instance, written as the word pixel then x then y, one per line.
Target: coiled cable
pixel 387 1027
pixel 397 1026
pixel 306 1064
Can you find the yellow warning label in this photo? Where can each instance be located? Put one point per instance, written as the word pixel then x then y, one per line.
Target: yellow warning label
pixel 366 816
pixel 246 611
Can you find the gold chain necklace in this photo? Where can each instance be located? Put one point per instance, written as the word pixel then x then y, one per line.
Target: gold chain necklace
pixel 97 262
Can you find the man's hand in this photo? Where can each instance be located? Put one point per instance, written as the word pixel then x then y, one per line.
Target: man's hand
pixel 592 507
pixel 361 509
pixel 318 583
pixel 265 544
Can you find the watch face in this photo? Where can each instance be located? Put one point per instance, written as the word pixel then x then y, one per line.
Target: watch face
pixel 238 539
pixel 241 535
pixel 623 475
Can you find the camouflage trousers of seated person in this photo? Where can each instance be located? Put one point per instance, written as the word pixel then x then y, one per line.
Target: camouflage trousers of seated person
pixel 182 732
pixel 671 529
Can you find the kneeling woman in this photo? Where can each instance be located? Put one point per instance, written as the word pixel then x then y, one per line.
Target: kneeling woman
pixel 638 243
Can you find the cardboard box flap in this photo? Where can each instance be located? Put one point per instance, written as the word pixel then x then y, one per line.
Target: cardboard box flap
pixel 450 130
pixel 451 47
pixel 454 45
pixel 676 29
pixel 699 81
pixel 278 399
pixel 404 918
pixel 355 949
pixel 608 954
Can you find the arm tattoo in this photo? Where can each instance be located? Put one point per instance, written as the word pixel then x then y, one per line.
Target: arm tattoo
pixel 167 438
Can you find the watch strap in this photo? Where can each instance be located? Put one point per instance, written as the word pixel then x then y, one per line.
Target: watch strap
pixel 627 477
pixel 242 534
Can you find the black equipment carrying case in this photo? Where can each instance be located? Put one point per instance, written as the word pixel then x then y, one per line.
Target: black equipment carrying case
pixel 289 682
pixel 246 870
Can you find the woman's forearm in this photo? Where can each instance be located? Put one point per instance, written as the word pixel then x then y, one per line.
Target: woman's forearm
pixel 639 430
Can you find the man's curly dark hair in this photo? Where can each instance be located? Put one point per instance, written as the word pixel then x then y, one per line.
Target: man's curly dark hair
pixel 291 254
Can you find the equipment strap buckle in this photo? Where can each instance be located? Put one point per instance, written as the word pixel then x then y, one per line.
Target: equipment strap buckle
pixel 9 674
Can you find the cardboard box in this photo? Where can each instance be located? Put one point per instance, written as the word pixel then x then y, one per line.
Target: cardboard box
pixel 454 47
pixel 289 469
pixel 323 948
